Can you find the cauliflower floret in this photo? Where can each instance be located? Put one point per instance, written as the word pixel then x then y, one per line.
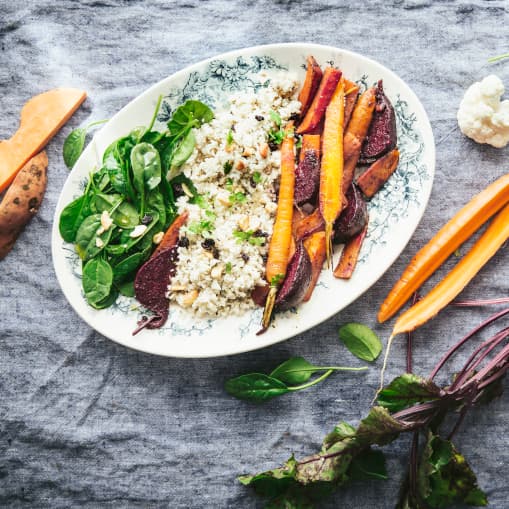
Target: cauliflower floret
pixel 482 116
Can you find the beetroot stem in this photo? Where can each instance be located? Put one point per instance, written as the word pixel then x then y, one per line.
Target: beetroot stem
pixel 462 341
pixel 480 302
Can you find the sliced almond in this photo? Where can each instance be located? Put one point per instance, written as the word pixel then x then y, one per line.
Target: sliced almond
pixel 156 239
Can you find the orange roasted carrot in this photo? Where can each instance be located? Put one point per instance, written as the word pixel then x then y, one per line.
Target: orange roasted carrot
pixel 350 255
pixel 309 142
pixel 444 292
pixel 444 243
pixel 315 246
pixel 311 83
pixel 325 91
pixel 308 225
pixel 378 173
pixel 331 197
pixel 280 242
pixel 172 233
pixel 356 133
pixel 351 94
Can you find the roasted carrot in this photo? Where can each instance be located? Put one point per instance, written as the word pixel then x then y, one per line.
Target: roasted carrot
pixel 444 292
pixel 444 243
pixel 172 233
pixel 378 173
pixel 331 197
pixel 350 255
pixel 315 246
pixel 311 83
pixel 309 142
pixel 356 133
pixel 325 91
pixel 280 242
pixel 351 94
pixel 308 225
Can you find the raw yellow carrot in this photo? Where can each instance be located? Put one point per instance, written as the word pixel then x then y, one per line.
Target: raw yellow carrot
pixel 281 240
pixel 452 284
pixel 331 197
pixel 444 243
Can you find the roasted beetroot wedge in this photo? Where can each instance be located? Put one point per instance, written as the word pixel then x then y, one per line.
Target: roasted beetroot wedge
pixel 307 172
pixel 151 286
pixel 353 218
pixel 382 135
pixel 297 280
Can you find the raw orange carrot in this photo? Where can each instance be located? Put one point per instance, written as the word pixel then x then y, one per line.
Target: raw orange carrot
pixel 331 197
pixel 280 242
pixel 351 94
pixel 444 243
pixel 444 292
pixel 325 91
pixel 41 117
pixel 309 142
pixel 378 173
pixel 350 255
pixel 356 133
pixel 172 233
pixel 311 83
pixel 315 246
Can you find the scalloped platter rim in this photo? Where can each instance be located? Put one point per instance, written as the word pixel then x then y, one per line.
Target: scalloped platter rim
pixel 395 212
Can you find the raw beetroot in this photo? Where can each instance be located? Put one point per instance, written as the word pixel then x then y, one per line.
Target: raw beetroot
pixel 353 218
pixel 151 286
pixel 297 280
pixel 382 135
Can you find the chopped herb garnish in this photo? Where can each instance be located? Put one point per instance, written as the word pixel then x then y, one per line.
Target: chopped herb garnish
pixel 248 236
pixel 276 280
pixel 277 137
pixel 229 137
pixel 257 177
pixel 200 227
pixel 299 142
pixel 237 198
pixel 275 117
pixel 229 184
pixel 228 267
pixel 228 166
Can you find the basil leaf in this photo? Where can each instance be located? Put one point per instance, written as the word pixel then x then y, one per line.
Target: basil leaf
pixel 361 341
pixel 73 146
pixel 407 390
pixel 255 387
pixel 72 216
pixel 184 150
pixel 97 280
pixel 296 370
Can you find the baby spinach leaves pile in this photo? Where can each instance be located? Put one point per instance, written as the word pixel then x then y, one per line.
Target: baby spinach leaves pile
pixel 132 187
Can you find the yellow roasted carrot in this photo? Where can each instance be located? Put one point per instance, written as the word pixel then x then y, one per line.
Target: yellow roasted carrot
pixel 281 240
pixel 444 243
pixel 331 198
pixel 445 291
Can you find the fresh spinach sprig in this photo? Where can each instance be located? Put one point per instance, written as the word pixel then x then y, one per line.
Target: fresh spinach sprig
pixel 290 376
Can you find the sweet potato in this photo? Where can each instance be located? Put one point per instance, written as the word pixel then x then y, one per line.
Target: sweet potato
pixel 41 117
pixel 325 91
pixel 350 255
pixel 309 224
pixel 378 173
pixel 172 233
pixel 316 248
pixel 351 95
pixel 22 201
pixel 311 83
pixel 382 135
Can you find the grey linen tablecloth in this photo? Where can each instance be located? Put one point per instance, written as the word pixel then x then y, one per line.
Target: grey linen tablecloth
pixel 87 423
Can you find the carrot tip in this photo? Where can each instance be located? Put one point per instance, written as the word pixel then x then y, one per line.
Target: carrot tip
pixel 269 306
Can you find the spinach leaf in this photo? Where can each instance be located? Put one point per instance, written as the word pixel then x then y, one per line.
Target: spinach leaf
pixel 146 167
pixel 73 146
pixel 88 243
pixel 296 370
pixel 97 280
pixel 155 203
pixel 72 216
pixel 127 243
pixel 127 266
pixel 255 387
pixel 127 289
pixel 121 211
pixel 116 161
pixel 190 114
pixel 108 301
pixel 184 150
pixel 361 341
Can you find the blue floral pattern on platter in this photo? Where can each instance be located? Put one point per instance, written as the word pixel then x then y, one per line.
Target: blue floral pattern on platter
pixel 393 202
